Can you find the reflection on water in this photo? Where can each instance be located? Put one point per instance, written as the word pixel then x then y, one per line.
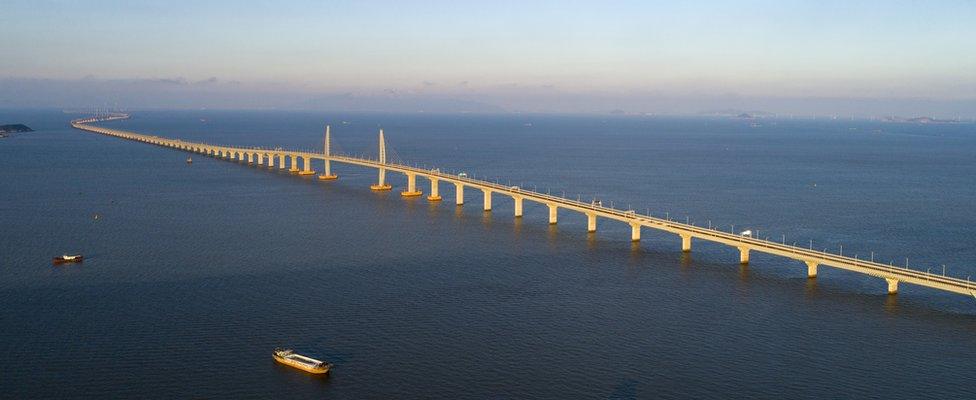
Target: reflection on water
pixel 193 274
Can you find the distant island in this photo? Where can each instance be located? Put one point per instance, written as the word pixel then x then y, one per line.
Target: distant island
pixel 13 128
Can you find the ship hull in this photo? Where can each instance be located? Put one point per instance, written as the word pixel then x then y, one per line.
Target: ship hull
pixel 297 365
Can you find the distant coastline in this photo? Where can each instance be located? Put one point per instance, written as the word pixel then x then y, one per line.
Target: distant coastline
pixel 921 120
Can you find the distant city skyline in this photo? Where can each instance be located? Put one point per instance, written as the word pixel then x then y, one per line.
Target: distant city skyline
pixel 788 57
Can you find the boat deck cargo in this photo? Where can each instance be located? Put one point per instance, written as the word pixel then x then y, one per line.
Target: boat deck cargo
pixel 68 259
pixel 307 364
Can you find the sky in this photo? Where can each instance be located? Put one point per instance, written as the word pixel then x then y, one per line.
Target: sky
pixel 796 57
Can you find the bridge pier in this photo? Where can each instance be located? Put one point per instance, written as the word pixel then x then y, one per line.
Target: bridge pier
pixel 381 182
pixel 487 196
pixel 411 187
pixel 327 172
pixel 591 222
pixel 743 255
pixel 308 167
pixel 260 157
pixel 811 269
pixel 553 213
pixel 458 193
pixel 434 190
pixel 307 170
pixel 635 229
pixel 294 164
pixel 685 243
pixel 892 286
pixel 281 161
pixel 250 158
pixel 518 206
pixel 271 160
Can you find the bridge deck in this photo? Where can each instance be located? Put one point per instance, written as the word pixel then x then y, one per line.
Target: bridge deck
pixel 744 243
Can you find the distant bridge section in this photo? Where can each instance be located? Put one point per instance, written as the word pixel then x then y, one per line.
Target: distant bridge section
pixel 746 245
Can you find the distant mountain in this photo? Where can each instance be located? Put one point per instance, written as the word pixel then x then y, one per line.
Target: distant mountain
pixel 396 103
pixel 14 128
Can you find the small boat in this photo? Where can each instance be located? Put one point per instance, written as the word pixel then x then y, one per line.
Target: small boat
pixel 189 160
pixel 307 364
pixel 65 259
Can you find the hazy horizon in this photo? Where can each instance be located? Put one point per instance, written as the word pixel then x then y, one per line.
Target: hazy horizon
pixel 803 58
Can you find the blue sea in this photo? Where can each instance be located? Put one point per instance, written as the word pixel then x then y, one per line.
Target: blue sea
pixel 194 273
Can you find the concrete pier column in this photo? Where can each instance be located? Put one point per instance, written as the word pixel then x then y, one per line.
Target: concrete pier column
pixel 487 196
pixel 307 170
pixel 518 206
pixel 458 193
pixel 591 222
pixel 685 243
pixel 327 174
pixel 381 181
pixel 281 162
pixel 411 187
pixel 435 194
pixel 635 229
pixel 294 164
pixel 553 213
pixel 811 269
pixel 271 160
pixel 743 255
pixel 260 159
pixel 892 285
pixel 250 158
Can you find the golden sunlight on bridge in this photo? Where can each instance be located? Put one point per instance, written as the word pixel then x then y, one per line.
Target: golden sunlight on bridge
pixel 810 258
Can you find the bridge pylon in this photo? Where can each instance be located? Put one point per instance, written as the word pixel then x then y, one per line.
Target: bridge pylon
pixel 381 184
pixel 327 173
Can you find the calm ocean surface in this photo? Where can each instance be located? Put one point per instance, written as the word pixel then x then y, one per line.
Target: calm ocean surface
pixel 194 273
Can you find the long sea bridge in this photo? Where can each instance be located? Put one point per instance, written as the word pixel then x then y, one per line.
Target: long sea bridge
pixel 746 244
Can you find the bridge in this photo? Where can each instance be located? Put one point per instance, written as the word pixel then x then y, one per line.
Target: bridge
pixel 745 244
